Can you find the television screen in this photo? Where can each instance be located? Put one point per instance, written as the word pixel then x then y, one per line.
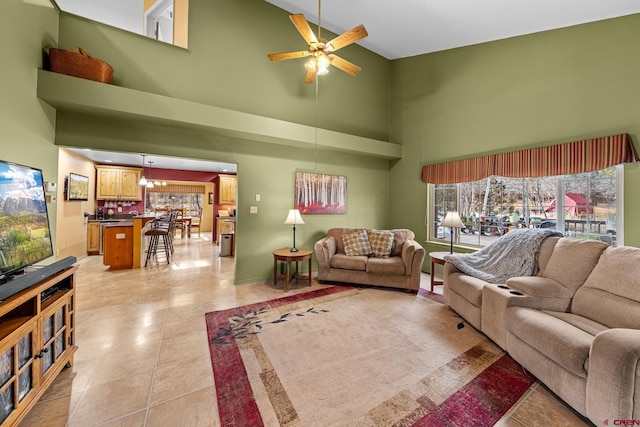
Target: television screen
pixel 77 187
pixel 25 236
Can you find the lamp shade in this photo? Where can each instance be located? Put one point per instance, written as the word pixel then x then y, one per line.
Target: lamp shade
pixel 294 217
pixel 452 220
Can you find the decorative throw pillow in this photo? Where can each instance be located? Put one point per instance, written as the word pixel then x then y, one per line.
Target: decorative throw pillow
pixel 381 243
pixel 356 243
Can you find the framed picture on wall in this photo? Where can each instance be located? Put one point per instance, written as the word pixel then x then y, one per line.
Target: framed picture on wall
pixel 316 193
pixel 77 187
pixel 210 198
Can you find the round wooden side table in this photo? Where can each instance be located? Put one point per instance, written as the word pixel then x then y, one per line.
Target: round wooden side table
pixel 285 254
pixel 436 258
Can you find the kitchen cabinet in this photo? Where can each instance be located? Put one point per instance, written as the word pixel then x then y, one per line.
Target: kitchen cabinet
pixel 93 238
pixel 118 183
pixel 37 340
pixel 227 189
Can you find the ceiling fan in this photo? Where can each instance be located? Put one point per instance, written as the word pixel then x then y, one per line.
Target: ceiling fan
pixel 321 51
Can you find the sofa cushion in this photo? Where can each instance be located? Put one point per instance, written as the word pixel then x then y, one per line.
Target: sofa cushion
pixel 562 342
pixel 337 233
pixel 580 322
pixel 572 261
pixel 611 293
pixel 356 243
pixel 349 262
pixel 386 266
pixel 468 287
pixel 544 253
pixel 399 237
pixel 381 242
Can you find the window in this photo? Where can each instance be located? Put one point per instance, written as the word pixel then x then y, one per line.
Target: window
pixel 176 196
pixel 586 205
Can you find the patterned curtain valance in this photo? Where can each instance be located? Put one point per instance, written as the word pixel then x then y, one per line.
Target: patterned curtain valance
pixel 178 189
pixel 562 159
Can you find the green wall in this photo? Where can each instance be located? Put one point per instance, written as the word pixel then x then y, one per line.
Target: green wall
pixel 27 126
pixel 226 66
pixel 552 87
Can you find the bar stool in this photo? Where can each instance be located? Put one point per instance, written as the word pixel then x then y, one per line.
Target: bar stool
pixel 161 237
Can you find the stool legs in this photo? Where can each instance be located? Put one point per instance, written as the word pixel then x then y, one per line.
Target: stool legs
pixel 154 244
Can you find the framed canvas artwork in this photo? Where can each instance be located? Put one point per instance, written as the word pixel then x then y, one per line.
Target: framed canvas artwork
pixel 316 193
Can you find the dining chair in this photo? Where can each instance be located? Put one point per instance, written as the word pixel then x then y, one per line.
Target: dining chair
pixel 180 222
pixel 195 221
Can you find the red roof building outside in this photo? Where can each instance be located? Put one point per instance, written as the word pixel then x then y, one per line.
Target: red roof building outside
pixel 574 204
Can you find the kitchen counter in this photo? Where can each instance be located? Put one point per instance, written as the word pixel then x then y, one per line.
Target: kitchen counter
pixel 123 223
pixel 118 244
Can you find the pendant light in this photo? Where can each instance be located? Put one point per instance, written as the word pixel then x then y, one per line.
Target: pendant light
pixel 143 180
pixel 149 182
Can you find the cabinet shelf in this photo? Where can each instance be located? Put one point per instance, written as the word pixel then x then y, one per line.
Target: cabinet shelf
pixel 37 340
pixel 11 326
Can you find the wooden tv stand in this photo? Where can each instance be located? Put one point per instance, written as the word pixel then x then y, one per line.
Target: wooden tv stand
pixel 37 340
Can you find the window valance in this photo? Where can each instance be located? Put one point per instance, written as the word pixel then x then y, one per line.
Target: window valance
pixel 178 189
pixel 562 159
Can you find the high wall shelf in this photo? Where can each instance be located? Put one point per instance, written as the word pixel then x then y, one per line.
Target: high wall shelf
pixel 108 102
pixel 37 340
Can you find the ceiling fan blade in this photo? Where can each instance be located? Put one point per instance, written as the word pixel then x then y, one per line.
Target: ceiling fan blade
pixel 303 27
pixel 344 65
pixel 351 36
pixel 311 76
pixel 288 55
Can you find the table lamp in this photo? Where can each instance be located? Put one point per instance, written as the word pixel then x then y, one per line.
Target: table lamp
pixel 452 220
pixel 294 218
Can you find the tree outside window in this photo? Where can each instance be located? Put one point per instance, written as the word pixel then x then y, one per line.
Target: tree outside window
pixel 582 205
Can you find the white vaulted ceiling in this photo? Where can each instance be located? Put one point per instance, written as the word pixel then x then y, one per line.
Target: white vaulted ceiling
pixel 403 28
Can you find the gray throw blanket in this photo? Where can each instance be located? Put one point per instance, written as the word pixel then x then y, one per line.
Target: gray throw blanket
pixel 512 255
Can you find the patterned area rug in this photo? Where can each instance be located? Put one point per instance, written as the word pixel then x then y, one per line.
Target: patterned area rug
pixel 344 356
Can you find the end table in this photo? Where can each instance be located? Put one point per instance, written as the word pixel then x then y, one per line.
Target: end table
pixel 436 258
pixel 285 254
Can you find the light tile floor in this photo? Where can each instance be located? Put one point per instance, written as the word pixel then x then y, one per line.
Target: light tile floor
pixel 143 358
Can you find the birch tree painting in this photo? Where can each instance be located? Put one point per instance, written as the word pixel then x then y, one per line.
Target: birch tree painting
pixel 320 194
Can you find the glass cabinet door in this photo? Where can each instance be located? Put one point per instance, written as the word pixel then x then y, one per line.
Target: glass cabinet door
pixel 54 330
pixel 16 373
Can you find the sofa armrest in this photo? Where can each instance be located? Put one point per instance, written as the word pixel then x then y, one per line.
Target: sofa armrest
pixel 530 292
pixel 412 257
pixel 325 248
pixel 613 379
pixel 540 287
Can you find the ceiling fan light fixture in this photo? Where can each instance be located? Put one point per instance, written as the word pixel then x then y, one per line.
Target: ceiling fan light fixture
pixel 311 64
pixel 323 64
pixel 320 50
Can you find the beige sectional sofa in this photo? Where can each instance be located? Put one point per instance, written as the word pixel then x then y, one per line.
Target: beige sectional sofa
pixel 575 325
pixel 401 267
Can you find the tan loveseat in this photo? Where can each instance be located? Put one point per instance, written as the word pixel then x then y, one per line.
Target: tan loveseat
pixel 575 325
pixel 401 269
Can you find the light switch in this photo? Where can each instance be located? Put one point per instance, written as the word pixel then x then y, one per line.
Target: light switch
pixel 257 197
pixel 119 208
pixel 253 209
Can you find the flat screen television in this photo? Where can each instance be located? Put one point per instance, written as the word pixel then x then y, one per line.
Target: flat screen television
pixel 25 236
pixel 77 187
